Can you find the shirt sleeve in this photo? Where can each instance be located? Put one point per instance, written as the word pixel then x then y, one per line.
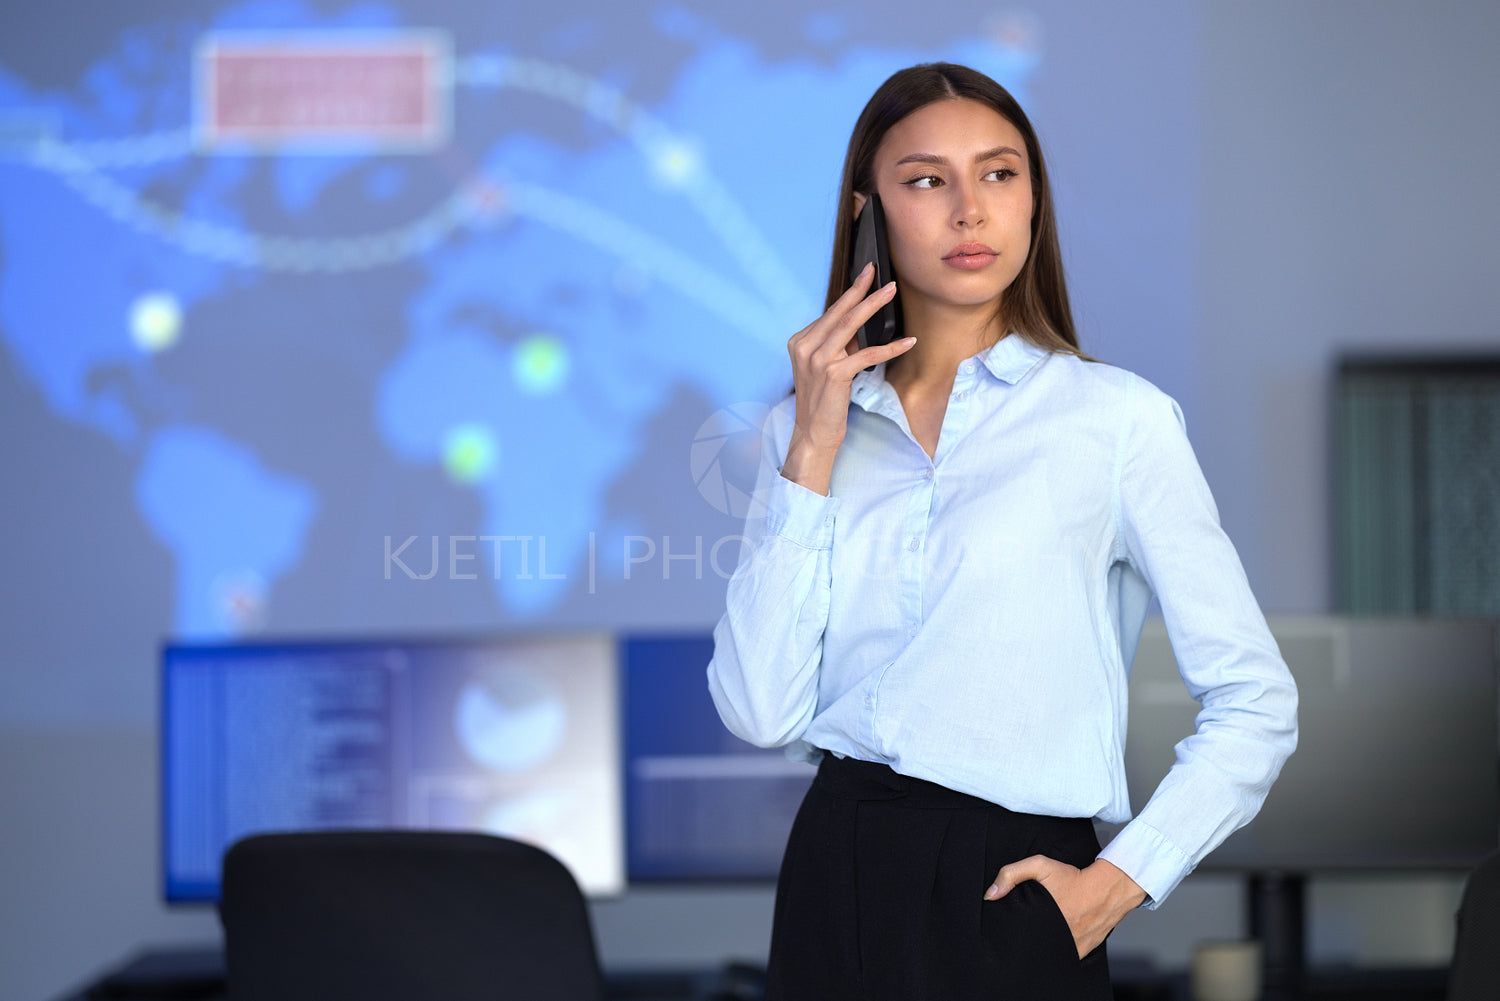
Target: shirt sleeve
pixel 767 646
pixel 1246 727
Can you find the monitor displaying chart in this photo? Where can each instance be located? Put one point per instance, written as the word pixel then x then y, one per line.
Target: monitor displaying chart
pixel 516 736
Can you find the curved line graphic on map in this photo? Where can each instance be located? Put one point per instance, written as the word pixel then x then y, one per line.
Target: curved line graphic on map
pixel 82 165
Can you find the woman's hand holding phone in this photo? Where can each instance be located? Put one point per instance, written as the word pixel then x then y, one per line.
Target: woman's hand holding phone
pixel 825 359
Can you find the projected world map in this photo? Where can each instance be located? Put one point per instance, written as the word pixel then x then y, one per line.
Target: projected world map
pixel 361 297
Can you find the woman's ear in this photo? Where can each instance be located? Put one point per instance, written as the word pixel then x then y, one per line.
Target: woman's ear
pixel 859 203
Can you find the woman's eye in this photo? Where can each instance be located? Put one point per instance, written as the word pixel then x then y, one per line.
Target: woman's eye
pixel 1004 172
pixel 924 182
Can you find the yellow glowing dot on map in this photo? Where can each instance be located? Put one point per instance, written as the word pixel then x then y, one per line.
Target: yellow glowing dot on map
pixel 675 162
pixel 155 321
pixel 541 363
pixel 469 453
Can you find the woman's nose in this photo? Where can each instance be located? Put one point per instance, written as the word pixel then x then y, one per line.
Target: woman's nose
pixel 967 210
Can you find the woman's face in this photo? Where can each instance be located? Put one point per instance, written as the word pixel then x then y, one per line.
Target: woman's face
pixel 955 183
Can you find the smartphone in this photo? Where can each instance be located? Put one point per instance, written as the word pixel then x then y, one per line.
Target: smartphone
pixel 872 244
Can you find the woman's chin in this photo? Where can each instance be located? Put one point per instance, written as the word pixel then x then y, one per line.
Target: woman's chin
pixel 959 300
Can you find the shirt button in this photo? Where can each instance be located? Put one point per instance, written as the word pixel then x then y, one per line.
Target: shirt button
pixel 869 702
pixel 927 474
pixel 912 545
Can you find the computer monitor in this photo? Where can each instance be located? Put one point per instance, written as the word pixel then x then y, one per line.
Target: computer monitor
pixel 1397 764
pixel 1398 757
pixel 515 735
pixel 701 804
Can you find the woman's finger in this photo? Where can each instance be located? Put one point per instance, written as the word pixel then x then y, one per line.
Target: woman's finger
pixel 877 353
pixel 840 305
pixel 1036 867
pixel 837 313
pixel 856 288
pixel 839 332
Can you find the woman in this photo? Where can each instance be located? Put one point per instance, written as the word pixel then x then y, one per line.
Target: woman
pixel 958 551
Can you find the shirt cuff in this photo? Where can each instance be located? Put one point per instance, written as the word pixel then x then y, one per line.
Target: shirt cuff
pixel 800 515
pixel 1146 856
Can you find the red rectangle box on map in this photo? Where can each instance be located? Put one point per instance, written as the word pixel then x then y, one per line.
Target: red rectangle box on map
pixel 317 89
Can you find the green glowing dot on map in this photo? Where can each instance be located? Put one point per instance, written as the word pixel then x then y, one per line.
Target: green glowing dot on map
pixel 155 321
pixel 469 453
pixel 541 363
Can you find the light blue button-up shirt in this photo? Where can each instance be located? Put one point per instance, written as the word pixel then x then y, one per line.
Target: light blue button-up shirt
pixel 970 618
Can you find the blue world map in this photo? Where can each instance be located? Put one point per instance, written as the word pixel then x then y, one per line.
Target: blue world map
pixel 267 333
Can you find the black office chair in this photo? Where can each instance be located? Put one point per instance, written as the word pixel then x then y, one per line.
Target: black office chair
pixel 1475 973
pixel 403 916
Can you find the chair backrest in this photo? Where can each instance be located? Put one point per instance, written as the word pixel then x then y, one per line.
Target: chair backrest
pixel 1475 973
pixel 402 916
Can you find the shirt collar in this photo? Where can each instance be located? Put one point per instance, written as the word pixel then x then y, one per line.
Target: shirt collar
pixel 1009 359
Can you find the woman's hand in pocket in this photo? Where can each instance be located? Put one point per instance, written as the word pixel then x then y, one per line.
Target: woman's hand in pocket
pixel 1092 900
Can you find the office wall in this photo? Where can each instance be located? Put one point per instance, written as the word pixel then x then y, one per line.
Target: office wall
pixel 1345 206
pixel 1343 200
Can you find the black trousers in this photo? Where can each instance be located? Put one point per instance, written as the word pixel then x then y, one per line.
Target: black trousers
pixel 881 897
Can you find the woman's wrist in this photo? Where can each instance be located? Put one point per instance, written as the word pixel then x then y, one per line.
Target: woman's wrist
pixel 1123 894
pixel 808 464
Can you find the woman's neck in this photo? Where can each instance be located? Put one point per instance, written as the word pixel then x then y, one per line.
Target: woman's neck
pixel 946 335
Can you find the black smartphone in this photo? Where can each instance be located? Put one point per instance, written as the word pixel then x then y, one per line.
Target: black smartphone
pixel 872 244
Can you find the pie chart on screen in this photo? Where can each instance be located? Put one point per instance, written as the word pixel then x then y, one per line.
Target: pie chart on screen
pixel 510 719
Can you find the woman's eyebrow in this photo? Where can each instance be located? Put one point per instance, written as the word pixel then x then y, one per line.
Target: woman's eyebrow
pixel 988 154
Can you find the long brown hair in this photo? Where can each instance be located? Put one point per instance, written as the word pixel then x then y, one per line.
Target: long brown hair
pixel 1036 303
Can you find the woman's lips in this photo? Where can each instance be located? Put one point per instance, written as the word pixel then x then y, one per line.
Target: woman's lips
pixel 970 262
pixel 970 256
